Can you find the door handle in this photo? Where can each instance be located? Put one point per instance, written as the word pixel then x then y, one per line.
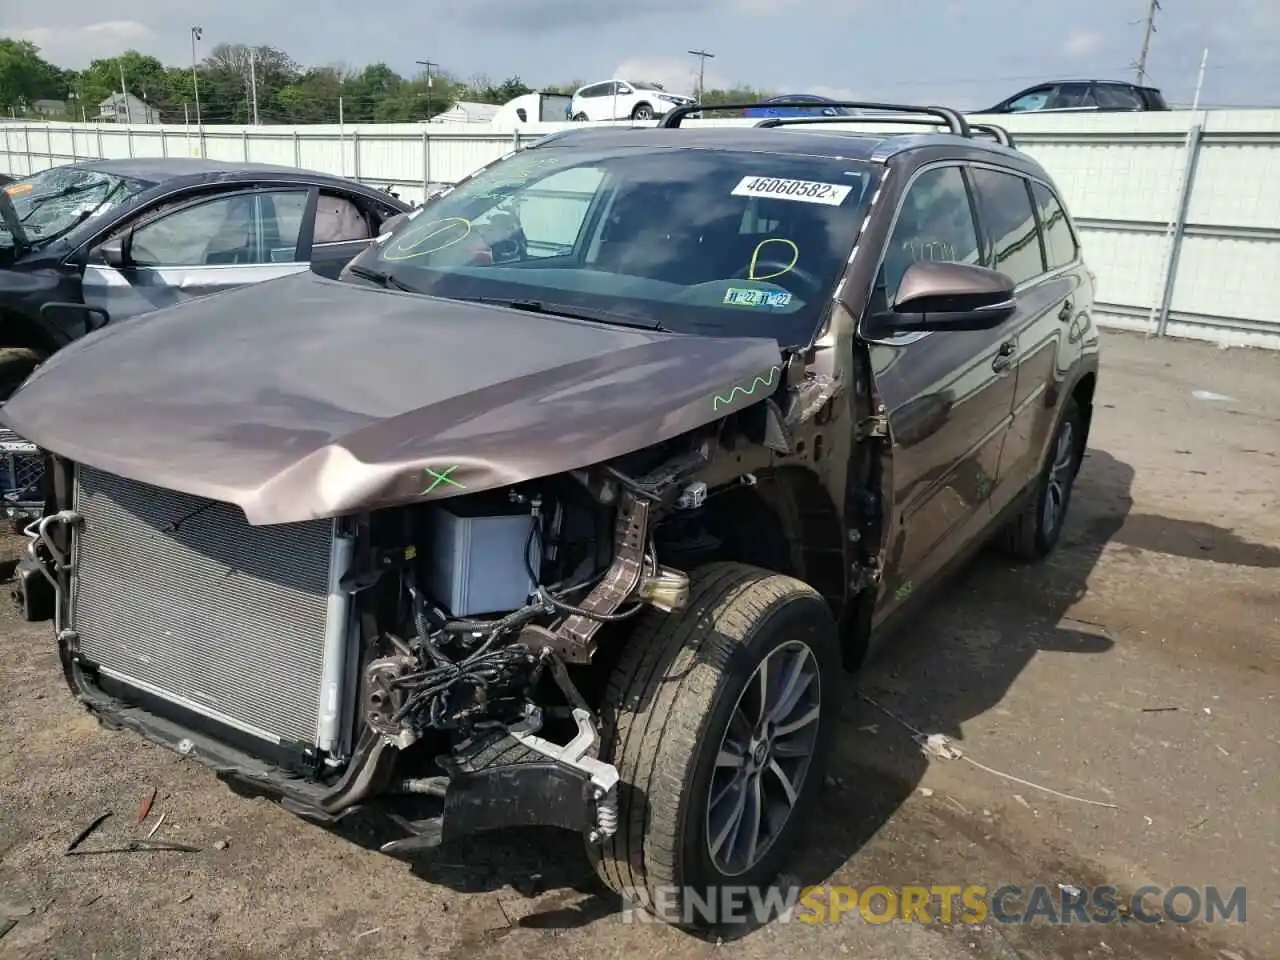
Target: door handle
pixel 1065 313
pixel 1004 357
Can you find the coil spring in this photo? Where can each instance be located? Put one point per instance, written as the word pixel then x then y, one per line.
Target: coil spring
pixel 607 816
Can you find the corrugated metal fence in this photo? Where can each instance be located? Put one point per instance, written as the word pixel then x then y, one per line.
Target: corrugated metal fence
pixel 1180 211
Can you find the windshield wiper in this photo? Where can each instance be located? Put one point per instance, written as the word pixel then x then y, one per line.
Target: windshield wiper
pixel 565 310
pixel 380 278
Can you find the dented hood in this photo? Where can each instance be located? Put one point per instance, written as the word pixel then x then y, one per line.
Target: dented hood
pixel 304 397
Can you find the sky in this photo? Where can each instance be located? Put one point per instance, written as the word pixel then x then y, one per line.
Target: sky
pixel 962 54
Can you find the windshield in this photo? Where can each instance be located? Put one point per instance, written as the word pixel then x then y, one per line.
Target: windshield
pixel 647 85
pixel 691 240
pixel 52 202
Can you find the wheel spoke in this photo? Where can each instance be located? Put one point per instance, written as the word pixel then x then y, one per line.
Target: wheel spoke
pixel 727 758
pixel 794 683
pixel 752 817
pixel 790 748
pixel 733 821
pixel 796 723
pixel 788 788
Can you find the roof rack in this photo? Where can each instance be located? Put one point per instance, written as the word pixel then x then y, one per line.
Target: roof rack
pixel 999 134
pixel 954 120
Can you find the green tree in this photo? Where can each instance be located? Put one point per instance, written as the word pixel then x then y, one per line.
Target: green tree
pixel 313 97
pixel 26 77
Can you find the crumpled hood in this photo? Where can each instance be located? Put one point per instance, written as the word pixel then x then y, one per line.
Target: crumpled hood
pixel 304 397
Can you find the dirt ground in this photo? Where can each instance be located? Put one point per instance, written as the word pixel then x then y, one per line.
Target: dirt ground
pixel 1139 667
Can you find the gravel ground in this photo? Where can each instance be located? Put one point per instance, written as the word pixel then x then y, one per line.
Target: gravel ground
pixel 1138 667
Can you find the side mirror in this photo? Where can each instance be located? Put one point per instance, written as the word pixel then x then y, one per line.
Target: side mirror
pixel 938 295
pixel 828 111
pixel 624 90
pixel 391 224
pixel 115 252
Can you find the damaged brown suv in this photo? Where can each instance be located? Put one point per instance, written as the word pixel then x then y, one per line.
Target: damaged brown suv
pixel 571 500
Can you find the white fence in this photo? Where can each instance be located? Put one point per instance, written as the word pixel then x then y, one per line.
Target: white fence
pixel 1179 211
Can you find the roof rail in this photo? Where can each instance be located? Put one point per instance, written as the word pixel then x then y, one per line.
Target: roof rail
pixel 999 134
pixel 954 120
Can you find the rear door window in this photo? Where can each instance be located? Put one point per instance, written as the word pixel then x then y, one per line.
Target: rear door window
pixel 1010 221
pixel 1073 96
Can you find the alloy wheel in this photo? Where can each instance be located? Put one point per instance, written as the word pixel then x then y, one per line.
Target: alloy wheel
pixel 763 758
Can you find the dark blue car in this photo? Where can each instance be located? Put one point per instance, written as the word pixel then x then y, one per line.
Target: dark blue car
pixel 821 107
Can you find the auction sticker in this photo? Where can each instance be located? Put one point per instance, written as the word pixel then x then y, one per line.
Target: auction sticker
pixel 805 191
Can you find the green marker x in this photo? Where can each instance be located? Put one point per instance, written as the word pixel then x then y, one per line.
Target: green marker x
pixel 439 478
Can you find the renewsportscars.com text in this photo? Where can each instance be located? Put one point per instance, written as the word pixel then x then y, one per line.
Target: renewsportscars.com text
pixel 941 904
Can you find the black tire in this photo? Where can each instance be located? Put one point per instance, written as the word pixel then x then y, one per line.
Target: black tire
pixel 642 111
pixel 579 117
pixel 16 364
pixel 1029 535
pixel 666 709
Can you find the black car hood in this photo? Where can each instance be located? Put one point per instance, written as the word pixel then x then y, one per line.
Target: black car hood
pixel 303 397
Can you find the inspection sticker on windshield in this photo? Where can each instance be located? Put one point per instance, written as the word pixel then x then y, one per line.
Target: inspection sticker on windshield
pixel 745 297
pixel 805 191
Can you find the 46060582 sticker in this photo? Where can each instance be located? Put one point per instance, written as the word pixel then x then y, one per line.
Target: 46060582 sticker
pixel 804 191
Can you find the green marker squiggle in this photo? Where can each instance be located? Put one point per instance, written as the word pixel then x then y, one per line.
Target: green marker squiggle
pixel 765 381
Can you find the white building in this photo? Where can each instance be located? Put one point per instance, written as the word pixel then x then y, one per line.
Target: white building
pixel 119 108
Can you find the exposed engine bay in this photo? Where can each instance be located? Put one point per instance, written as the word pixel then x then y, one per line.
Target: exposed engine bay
pixel 485 603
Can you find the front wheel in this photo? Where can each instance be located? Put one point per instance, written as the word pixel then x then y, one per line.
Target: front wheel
pixel 642 112
pixel 720 720
pixel 579 117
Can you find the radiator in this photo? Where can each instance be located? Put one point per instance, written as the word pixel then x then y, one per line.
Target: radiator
pixel 181 598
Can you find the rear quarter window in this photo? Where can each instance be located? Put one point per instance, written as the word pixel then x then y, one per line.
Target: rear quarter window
pixel 1060 244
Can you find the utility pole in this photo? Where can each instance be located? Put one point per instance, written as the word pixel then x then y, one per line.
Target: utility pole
pixel 1150 28
pixel 702 56
pixel 428 65
pixel 253 83
pixel 196 34
pixel 124 94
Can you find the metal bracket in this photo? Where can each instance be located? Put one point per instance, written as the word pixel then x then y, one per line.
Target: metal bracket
pixel 580 753
pixel 873 426
pixel 574 639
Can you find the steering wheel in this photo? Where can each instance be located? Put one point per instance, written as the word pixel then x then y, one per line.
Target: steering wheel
pixel 779 272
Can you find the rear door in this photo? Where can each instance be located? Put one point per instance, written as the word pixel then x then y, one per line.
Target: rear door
pixel 199 247
pixel 1045 303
